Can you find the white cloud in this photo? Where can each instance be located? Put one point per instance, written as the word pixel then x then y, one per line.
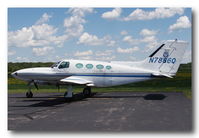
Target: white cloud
pixel 20 38
pixel 181 23
pixel 88 39
pixel 74 23
pixel 99 55
pixel 158 13
pixel 39 34
pixel 36 35
pixel 42 51
pixel 151 45
pixel 110 42
pixel 45 18
pixel 86 58
pixel 10 53
pixel 148 39
pixel 22 59
pixel 115 13
pixel 80 11
pixel 84 53
pixel 106 58
pixel 104 53
pixel 150 42
pixel 58 58
pixel 129 39
pixel 124 32
pixel 74 26
pixel 127 50
pixel 42 34
pixel 147 32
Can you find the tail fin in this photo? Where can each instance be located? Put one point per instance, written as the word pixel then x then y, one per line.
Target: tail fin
pixel 167 58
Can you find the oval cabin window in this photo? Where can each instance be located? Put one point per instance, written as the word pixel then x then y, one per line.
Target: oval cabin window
pixel 79 65
pixel 89 66
pixel 99 66
pixel 108 67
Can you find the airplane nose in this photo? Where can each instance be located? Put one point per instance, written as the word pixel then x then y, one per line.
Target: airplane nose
pixel 14 74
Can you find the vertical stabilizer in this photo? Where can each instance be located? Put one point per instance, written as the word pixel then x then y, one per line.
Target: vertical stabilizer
pixel 167 58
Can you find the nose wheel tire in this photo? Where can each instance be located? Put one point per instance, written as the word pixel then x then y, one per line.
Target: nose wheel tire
pixel 29 94
pixel 87 92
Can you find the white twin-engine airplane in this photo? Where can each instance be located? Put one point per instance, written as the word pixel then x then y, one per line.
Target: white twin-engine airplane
pixel 163 62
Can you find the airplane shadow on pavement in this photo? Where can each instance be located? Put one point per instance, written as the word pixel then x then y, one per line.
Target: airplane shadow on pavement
pixel 146 97
pixel 58 99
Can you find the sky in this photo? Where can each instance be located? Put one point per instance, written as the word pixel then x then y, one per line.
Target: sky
pixel 107 34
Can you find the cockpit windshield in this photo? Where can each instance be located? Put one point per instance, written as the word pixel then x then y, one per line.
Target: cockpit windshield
pixel 55 64
pixel 64 64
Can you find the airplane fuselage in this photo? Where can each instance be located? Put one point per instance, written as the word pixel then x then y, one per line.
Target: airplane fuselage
pixel 101 74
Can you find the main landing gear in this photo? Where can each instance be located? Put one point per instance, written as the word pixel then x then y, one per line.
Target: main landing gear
pixel 87 92
pixel 69 93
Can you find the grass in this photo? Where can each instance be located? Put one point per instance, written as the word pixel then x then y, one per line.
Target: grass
pixel 180 83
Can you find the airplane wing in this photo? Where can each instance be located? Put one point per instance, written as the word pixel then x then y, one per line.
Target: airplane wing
pixel 77 80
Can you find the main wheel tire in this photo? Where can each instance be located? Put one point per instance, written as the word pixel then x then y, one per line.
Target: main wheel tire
pixel 65 94
pixel 87 92
pixel 29 94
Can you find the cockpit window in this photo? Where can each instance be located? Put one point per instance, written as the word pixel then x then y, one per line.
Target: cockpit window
pixel 64 64
pixel 55 64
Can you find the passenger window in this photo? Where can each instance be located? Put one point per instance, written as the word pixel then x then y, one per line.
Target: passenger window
pixel 64 64
pixel 79 65
pixel 108 67
pixel 89 66
pixel 100 66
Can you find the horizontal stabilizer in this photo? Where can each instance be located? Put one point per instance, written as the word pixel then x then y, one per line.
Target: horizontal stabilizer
pixel 77 80
pixel 162 74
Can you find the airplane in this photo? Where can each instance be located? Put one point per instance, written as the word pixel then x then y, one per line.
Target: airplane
pixel 163 62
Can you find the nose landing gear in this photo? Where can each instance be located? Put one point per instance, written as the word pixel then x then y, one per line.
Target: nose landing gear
pixel 29 94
